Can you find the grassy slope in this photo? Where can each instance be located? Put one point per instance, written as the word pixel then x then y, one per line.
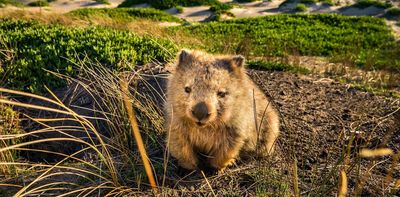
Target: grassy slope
pixel 38 47
pixel 366 40
pixel 125 14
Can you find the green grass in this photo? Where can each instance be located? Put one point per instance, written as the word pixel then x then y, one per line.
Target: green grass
pixel 9 2
pixel 300 8
pixel 393 12
pixel 168 3
pixel 103 1
pixel 40 47
pixel 39 3
pixel 275 66
pixel 367 41
pixel 377 3
pixel 125 14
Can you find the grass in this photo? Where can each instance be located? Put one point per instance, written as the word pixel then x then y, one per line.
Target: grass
pixel 103 2
pixel 301 8
pixel 39 3
pixel 393 12
pixel 275 66
pixel 366 41
pixel 39 47
pixel 162 5
pixel 376 3
pixel 9 126
pixel 124 14
pixel 3 3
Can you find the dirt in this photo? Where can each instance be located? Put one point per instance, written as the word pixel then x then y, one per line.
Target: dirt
pixel 320 117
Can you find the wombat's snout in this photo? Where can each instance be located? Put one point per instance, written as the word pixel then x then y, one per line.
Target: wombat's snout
pixel 201 112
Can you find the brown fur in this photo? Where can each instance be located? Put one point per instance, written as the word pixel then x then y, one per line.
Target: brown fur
pixel 230 126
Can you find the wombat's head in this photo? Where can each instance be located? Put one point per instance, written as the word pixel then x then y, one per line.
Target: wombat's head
pixel 205 88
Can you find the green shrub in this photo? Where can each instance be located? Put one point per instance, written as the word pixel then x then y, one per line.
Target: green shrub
pixel 275 66
pixel 162 5
pixel 40 47
pixel 125 14
pixel 301 7
pixel 179 9
pixel 103 1
pixel 377 3
pixel 220 7
pixel 360 38
pixel 246 1
pixel 39 3
pixel 394 12
pixel 10 2
pixel 308 1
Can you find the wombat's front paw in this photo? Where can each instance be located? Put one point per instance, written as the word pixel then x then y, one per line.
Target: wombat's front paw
pixel 189 165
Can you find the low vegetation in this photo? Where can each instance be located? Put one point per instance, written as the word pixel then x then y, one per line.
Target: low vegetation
pixel 39 3
pixel 300 8
pixel 162 5
pixel 9 2
pixel 377 3
pixel 275 66
pixel 40 47
pixel 124 14
pixel 365 41
pixel 9 126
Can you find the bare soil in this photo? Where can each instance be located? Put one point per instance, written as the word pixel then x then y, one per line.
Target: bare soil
pixel 324 125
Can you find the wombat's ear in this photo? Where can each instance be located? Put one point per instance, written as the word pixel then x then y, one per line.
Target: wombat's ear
pixel 238 61
pixel 184 57
pixel 237 65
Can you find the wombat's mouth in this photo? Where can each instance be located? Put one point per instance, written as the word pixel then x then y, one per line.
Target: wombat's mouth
pixel 200 124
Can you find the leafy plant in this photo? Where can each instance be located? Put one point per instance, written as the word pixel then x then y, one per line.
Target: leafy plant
pixel 301 7
pixel 40 47
pixel 168 3
pixel 103 1
pixel 377 3
pixel 367 41
pixel 125 14
pixel 179 9
pixel 39 3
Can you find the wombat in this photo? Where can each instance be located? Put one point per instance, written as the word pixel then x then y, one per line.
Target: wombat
pixel 214 112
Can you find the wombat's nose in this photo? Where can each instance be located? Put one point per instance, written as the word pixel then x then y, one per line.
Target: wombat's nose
pixel 200 111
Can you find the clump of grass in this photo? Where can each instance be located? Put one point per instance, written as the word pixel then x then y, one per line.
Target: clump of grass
pixel 162 5
pixel 308 1
pixel 376 3
pixel 107 161
pixel 221 9
pixel 3 3
pixel 124 14
pixel 39 3
pixel 9 126
pixel 300 8
pixel 103 2
pixel 179 9
pixel 393 12
pixel 275 66
pixel 246 1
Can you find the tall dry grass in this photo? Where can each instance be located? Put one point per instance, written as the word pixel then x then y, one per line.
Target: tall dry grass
pixel 107 161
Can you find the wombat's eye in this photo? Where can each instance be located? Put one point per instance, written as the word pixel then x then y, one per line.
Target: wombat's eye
pixel 221 94
pixel 188 89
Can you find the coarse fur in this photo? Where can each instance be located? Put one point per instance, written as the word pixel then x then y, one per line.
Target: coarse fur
pixel 211 108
